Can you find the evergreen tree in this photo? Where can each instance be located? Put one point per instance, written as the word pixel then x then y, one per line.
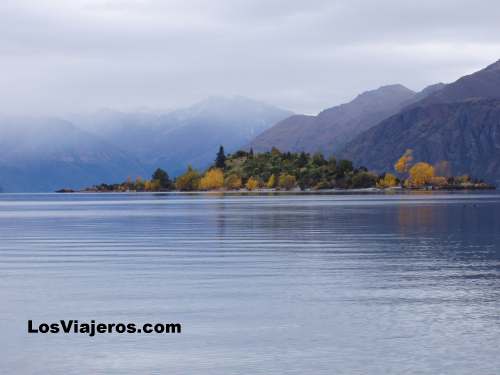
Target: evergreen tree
pixel 220 161
pixel 162 177
pixel 303 159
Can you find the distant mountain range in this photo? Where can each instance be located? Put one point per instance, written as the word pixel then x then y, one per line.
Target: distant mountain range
pixel 185 136
pixel 43 154
pixel 457 122
pixel 108 146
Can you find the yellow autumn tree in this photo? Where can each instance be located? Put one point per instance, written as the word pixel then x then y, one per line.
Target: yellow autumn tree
pixel 420 174
pixel 287 181
pixel 252 183
pixel 404 162
pixel 271 182
pixel 188 181
pixel 388 181
pixel 233 182
pixel 212 180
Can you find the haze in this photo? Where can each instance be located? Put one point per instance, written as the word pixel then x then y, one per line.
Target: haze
pixel 72 56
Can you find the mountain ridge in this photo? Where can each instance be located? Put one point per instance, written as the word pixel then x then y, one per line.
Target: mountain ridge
pixel 335 126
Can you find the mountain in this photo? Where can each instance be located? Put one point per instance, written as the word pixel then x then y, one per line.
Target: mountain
pixel 331 129
pixel 186 136
pixel 482 84
pixel 459 123
pixel 39 155
pixel 466 134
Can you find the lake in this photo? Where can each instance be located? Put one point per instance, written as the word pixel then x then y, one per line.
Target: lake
pixel 262 284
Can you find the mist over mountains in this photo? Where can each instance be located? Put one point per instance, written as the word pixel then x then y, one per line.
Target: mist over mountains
pixel 107 146
pixel 42 154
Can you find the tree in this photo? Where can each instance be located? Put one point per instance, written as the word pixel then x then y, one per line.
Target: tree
pixel 151 185
pixel 163 179
pixel 271 182
pixel 303 160
pixel 252 183
pixel 287 181
pixel 388 181
pixel 318 159
pixel 220 161
pixel 139 184
pixel 404 162
pixel 189 181
pixel 332 163
pixel 420 175
pixel 233 182
pixel 363 180
pixel 213 179
pixel 345 166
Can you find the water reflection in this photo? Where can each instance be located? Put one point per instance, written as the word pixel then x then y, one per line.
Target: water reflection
pixel 263 284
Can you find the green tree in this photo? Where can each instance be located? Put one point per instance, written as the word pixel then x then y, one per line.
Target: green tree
pixel 364 180
pixel 302 160
pixel 162 178
pixel 220 161
pixel 344 167
pixel 319 160
pixel 332 164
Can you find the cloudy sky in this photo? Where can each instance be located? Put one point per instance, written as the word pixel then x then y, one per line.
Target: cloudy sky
pixel 59 56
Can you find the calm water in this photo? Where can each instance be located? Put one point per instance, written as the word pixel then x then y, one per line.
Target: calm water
pixel 295 284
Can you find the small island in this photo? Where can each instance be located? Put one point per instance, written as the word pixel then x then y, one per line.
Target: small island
pixel 287 171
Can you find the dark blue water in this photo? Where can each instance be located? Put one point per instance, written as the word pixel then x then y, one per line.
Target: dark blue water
pixel 287 284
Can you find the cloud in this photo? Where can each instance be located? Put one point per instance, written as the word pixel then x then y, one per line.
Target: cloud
pixel 58 56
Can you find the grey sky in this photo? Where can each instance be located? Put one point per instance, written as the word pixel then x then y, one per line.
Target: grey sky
pixel 58 55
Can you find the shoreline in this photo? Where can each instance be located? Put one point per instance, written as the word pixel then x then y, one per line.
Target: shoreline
pixel 292 191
